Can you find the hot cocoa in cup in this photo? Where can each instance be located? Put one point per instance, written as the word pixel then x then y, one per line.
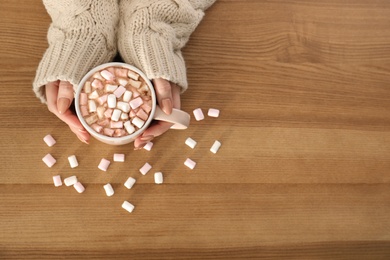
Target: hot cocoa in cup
pixel 116 102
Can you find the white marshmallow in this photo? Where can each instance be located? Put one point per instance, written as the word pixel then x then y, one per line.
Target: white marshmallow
pixel 158 178
pixel 132 75
pixel 190 142
pixel 138 122
pixel 215 147
pixel 124 116
pixel 190 163
pixel 116 115
pixel 109 190
pixel 111 101
pixel 144 170
pixel 49 140
pixel 119 157
pixel 129 127
pixel 87 87
pixel 57 180
pixel 93 95
pixel 107 75
pixel 123 82
pixel 213 112
pixel 148 146
pixel 79 187
pixel 73 161
pixel 129 183
pixel 91 106
pixel 124 106
pixel 110 87
pixel 49 160
pixel 127 96
pixel 198 114
pixel 70 180
pixel 103 165
pixel 128 206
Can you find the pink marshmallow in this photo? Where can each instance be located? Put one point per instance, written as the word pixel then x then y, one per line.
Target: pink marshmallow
pixel 108 113
pixel 119 91
pixel 190 163
pixel 108 131
pixel 49 160
pixel 135 103
pixel 102 99
pixel 84 110
pixel 79 187
pixel 83 99
pixel 119 132
pixel 49 140
pixel 103 165
pixel 118 124
pixel 57 180
pixel 198 114
pixel 144 170
pixel 97 84
pixel 142 114
pixel 97 128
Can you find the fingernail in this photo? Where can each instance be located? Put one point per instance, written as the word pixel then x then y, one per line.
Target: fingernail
pixel 63 104
pixel 147 138
pixel 82 139
pixel 140 146
pixel 167 106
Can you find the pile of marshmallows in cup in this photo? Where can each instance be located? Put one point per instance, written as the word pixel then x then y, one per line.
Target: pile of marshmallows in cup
pixel 116 102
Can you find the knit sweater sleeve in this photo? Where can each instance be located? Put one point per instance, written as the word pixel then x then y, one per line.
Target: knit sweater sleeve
pixel 153 32
pixel 81 36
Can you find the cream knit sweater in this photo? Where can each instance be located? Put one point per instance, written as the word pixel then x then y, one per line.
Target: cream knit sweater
pixel 148 33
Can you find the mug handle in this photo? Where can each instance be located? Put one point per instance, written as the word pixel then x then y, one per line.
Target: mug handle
pixel 179 118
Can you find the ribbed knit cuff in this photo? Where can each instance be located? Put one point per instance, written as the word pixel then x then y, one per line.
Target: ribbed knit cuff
pixel 155 56
pixel 69 60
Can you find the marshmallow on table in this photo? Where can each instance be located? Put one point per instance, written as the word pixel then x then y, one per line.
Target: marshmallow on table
pixel 70 180
pixel 213 112
pixel 109 190
pixel 49 160
pixel 144 170
pixel 103 165
pixel 79 187
pixel 57 180
pixel 190 163
pixel 215 147
pixel 190 142
pixel 148 146
pixel 49 140
pixel 119 157
pixel 73 161
pixel 129 183
pixel 128 206
pixel 158 178
pixel 198 114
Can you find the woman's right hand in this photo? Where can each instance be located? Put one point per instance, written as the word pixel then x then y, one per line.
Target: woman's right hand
pixel 59 96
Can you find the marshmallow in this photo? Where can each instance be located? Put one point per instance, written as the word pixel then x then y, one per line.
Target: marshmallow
pixel 70 180
pixel 120 132
pixel 158 178
pixel 49 140
pixel 83 99
pixel 124 106
pixel 100 112
pixel 198 114
pixel 97 128
pixel 102 99
pixel 119 91
pixel 127 96
pixel 110 87
pixel 103 165
pixel 123 82
pixel 132 75
pixel 116 115
pixel 215 147
pixel 190 163
pixel 124 116
pixel 92 119
pixel 119 157
pixel 107 75
pixel 128 206
pixel 144 170
pixel 49 160
pixel 111 101
pixel 84 111
pixel 57 180
pixel 129 183
pixel 87 87
pixel 135 83
pixel 135 103
pixel 91 106
pixel 97 84
pixel 129 127
pixel 118 124
pixel 213 112
pixel 73 161
pixel 109 190
pixel 190 142
pixel 108 113
pixel 79 187
pixel 108 131
pixel 138 122
pixel 148 146
pixel 93 95
pixel 142 114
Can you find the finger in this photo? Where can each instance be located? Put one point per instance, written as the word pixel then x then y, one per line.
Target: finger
pixel 65 96
pixel 176 96
pixel 164 94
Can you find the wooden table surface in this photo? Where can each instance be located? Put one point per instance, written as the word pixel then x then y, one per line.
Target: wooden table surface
pixel 303 171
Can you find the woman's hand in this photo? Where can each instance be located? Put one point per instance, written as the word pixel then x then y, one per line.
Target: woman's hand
pixel 168 97
pixel 59 96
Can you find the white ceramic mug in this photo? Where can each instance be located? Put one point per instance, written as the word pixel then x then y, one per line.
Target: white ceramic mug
pixel 179 118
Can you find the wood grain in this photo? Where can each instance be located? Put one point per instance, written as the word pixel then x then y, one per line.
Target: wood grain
pixel 304 167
